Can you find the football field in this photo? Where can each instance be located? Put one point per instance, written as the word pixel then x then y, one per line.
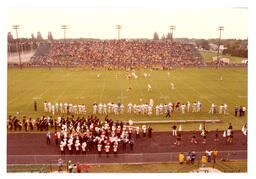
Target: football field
pixel 78 86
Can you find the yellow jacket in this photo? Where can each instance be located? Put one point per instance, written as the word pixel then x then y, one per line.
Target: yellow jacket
pixel 181 157
pixel 204 159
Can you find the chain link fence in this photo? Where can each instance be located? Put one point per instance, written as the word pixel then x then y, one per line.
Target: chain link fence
pixel 119 158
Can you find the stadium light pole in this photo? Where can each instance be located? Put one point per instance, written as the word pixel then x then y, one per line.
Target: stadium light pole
pixel 220 29
pixel 16 27
pixel 118 27
pixel 172 27
pixel 64 27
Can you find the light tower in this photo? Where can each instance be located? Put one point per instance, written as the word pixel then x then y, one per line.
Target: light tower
pixel 220 29
pixel 118 27
pixel 16 27
pixel 172 27
pixel 64 27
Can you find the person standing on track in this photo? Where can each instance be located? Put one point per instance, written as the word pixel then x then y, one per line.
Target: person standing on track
pixel 149 131
pixel 48 137
pixel 174 130
pixel 193 140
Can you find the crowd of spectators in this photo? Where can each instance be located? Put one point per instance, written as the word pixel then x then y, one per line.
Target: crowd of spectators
pixel 120 53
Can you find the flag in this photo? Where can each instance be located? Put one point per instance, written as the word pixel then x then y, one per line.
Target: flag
pixel 224 134
pixel 243 129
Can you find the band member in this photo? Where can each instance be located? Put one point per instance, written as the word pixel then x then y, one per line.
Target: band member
pixel 178 139
pixel 84 148
pixel 149 131
pixel 193 139
pixel 99 148
pixel 115 148
pixel 216 135
pixel 144 129
pixel 174 130
pixel 107 147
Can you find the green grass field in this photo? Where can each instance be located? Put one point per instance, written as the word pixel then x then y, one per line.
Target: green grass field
pixel 207 56
pixel 83 87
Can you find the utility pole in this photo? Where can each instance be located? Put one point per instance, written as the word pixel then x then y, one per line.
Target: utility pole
pixel 172 27
pixel 16 27
pixel 220 29
pixel 118 27
pixel 64 27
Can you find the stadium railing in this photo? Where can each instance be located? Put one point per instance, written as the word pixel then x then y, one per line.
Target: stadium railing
pixel 26 168
pixel 119 158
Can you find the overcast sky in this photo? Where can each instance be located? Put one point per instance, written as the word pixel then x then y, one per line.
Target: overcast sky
pixel 136 22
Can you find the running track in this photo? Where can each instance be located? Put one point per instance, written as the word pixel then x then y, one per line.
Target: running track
pixel 31 148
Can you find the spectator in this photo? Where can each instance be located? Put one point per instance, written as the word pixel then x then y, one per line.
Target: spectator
pixel 86 168
pixel 60 164
pixel 204 160
pixel 215 154
pixel 181 158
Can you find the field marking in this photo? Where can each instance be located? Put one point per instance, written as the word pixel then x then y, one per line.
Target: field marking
pixel 218 95
pixel 242 96
pixel 79 97
pixel 122 97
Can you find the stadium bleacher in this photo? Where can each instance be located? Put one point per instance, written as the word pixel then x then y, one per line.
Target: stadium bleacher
pixel 120 53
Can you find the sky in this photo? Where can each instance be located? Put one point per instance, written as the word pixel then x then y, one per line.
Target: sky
pixel 136 22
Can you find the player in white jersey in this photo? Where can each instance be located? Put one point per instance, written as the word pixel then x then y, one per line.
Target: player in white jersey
pixel 183 106
pixel 198 106
pixel 172 85
pixel 104 108
pixel 149 110
pixel 170 106
pixel 49 107
pixel 45 107
pixel 134 109
pixel 194 107
pixel 129 108
pixel 168 74
pixel 65 107
pixel 94 108
pixel 115 109
pixel 143 109
pixel 57 107
pixel 212 108
pixel 146 106
pixel 122 109
pixel 165 108
pixel 161 109
pixel 53 112
pixel 221 109
pixel 109 107
pixel 149 87
pixel 225 108
pixel 151 102
pixel 100 108
pixel 145 75
pixel 61 108
pixel 188 106
pixel 75 109
pixel 70 108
